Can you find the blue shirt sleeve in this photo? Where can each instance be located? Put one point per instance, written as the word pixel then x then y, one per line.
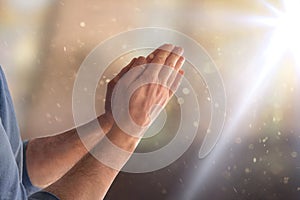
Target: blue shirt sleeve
pixel 11 187
pixel 42 195
pixel 14 180
pixel 30 188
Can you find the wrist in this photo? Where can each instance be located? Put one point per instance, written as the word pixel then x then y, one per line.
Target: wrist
pixel 122 139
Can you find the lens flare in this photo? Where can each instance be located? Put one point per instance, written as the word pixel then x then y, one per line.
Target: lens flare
pixel 289 29
pixel 284 38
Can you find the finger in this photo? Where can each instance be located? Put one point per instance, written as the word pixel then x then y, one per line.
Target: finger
pixel 177 67
pixel 162 54
pixel 113 82
pixel 174 57
pixel 124 70
pixel 140 61
pixel 181 72
pixel 176 82
pixel 150 57
pixel 179 63
pixel 171 62
pixel 136 69
pixel 159 59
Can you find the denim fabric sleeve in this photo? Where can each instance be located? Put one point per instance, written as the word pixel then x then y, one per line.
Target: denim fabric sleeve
pixel 43 195
pixel 11 187
pixel 14 180
pixel 30 188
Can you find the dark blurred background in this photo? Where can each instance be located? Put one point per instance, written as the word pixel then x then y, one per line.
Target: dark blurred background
pixel 43 43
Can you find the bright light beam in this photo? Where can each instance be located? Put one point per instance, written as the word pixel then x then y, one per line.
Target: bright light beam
pixel 274 54
pixel 289 29
pixel 285 37
pixel 275 11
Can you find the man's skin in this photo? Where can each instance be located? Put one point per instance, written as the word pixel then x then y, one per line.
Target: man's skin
pixel 62 162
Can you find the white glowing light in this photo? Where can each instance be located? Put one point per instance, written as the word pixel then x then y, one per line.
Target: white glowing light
pixel 289 26
pixel 284 38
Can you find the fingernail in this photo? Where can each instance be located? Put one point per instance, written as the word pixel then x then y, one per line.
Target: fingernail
pixel 182 59
pixel 151 56
pixel 179 49
pixel 170 45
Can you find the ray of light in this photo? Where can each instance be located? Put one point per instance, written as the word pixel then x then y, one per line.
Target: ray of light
pixel 289 28
pixel 235 20
pixel 255 21
pixel 270 7
pixel 285 37
pixel 272 56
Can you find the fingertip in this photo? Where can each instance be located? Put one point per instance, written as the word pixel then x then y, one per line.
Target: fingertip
pixel 182 49
pixel 179 63
pixel 167 47
pixel 132 63
pixel 140 61
pixel 178 50
pixel 182 59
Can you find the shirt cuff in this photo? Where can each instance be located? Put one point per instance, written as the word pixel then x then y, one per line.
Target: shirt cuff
pixel 43 195
pixel 30 188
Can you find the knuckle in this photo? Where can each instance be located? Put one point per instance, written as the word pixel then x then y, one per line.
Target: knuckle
pixel 110 83
pixel 170 63
pixel 141 58
pixel 160 59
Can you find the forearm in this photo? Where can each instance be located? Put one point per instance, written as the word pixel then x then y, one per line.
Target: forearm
pixel 49 158
pixel 90 178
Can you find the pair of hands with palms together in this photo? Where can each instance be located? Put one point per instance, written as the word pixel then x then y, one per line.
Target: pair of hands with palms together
pixel 141 90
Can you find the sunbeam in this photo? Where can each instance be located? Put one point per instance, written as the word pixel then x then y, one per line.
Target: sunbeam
pixel 270 64
pixel 285 37
pixel 289 27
